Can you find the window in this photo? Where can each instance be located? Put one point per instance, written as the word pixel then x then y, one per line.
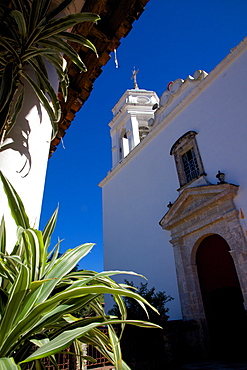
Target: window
pixel 187 158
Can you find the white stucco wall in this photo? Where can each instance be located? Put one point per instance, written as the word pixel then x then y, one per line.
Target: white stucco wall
pixel 133 239
pixel 136 192
pixel 24 156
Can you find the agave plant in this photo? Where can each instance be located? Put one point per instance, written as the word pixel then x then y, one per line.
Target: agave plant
pixel 39 296
pixel 30 36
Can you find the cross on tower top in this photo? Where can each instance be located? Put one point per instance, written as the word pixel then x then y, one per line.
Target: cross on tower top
pixel 134 73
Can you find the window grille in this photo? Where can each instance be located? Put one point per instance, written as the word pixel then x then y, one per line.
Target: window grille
pixel 190 164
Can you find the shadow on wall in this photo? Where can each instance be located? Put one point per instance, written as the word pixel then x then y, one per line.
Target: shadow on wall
pixel 17 140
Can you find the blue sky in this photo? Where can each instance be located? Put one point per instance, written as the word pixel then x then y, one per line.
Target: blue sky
pixel 171 40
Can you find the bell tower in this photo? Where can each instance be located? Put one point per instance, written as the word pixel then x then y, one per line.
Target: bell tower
pixel 130 123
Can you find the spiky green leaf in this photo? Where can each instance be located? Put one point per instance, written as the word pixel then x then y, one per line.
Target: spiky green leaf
pixel 42 97
pixel 32 307
pixel 65 48
pixel 15 204
pixel 20 20
pixel 49 228
pixel 8 364
pixel 47 88
pixel 17 108
pixel 78 39
pixel 7 46
pixel 2 236
pixel 33 52
pixel 16 295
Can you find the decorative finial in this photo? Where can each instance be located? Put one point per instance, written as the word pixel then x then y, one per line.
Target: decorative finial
pixel 221 176
pixel 134 73
pixel 169 205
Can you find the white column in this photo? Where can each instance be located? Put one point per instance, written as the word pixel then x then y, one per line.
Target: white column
pixel 125 146
pixel 23 158
pixel 135 131
pixel 115 148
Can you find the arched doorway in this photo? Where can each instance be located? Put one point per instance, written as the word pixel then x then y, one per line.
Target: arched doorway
pixel 222 297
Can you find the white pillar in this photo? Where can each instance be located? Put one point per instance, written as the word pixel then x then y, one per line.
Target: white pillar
pixel 135 131
pixel 125 146
pixel 115 148
pixel 23 158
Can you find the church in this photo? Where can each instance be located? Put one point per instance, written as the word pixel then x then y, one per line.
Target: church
pixel 175 200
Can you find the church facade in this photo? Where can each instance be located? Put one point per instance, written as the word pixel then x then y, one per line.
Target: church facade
pixel 175 200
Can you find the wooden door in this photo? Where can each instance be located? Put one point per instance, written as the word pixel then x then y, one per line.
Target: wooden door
pixel 222 297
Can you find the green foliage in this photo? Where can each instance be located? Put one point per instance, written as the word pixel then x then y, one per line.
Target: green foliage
pixel 30 36
pixel 40 296
pixel 156 299
pixel 145 349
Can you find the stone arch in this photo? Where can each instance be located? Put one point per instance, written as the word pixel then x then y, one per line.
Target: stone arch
pixel 213 254
pixel 196 246
pixel 222 296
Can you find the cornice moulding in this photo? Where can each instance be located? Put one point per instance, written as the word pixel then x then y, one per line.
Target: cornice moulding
pixel 193 202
